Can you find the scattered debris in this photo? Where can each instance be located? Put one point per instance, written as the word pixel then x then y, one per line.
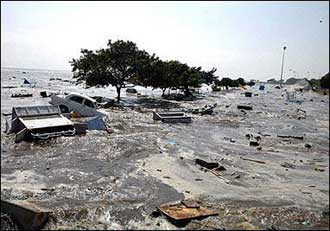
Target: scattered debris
pixel 244 107
pixel 229 139
pixel 254 143
pixel 172 117
pixel 131 90
pixel 104 102
pixel 28 216
pixel 248 136
pixel 288 165
pixel 180 211
pixel 291 136
pixel 308 145
pixel 81 128
pixel 44 94
pixel 18 95
pixel 319 169
pixel 155 213
pixel 26 81
pixel 9 87
pixel 208 165
pixel 248 94
pixel 207 110
pixel 257 161
pixel 212 167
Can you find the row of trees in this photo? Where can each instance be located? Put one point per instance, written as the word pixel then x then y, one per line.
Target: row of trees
pixel 122 62
pixel 228 82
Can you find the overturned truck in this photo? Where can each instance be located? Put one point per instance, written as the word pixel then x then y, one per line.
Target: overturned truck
pixel 39 122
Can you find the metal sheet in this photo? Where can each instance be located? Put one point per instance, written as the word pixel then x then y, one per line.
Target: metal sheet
pixel 40 122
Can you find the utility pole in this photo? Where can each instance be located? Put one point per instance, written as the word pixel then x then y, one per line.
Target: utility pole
pixel 282 66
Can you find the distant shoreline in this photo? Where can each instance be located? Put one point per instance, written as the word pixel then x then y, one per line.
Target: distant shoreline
pixel 31 69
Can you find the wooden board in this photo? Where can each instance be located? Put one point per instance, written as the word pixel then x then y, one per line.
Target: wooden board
pixel 178 211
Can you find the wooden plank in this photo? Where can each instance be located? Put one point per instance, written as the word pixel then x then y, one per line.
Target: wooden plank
pixel 27 215
pixel 257 161
pixel 179 211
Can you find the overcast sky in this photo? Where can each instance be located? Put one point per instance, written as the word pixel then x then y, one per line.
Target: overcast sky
pixel 240 39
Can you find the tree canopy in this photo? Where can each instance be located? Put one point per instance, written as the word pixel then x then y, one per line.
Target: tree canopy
pixel 123 62
pixel 228 82
pixel 115 65
pixel 325 81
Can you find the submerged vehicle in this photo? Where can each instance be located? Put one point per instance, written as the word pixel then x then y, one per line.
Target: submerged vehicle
pixel 78 103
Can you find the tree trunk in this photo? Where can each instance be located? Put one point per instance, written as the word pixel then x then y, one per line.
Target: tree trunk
pixel 118 93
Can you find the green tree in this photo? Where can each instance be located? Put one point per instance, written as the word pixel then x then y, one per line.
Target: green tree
pixel 325 82
pixel 209 77
pixel 226 82
pixel 158 74
pixel 241 81
pixel 115 65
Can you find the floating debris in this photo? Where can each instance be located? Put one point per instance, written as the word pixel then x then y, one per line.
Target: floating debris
pixel 257 161
pixel 172 117
pixel 28 216
pixel 185 210
pixel 244 107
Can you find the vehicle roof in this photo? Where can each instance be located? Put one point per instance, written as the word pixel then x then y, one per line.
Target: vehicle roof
pixel 81 95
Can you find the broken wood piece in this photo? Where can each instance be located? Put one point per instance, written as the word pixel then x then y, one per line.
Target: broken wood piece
pixel 254 143
pixel 208 165
pixel 179 211
pixel 257 161
pixel 288 165
pixel 244 107
pixel 290 136
pixel 27 215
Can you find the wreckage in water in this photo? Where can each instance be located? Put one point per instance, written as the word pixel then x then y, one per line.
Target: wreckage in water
pixel 39 122
pixel 171 117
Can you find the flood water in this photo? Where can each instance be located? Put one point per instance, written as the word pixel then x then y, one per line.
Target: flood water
pixel 115 181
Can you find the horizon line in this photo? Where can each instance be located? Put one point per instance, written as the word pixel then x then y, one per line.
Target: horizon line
pixel 26 68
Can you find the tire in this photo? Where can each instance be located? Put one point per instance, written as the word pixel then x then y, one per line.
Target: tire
pixel 64 109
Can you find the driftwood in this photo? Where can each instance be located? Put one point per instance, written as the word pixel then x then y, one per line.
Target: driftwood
pixel 257 161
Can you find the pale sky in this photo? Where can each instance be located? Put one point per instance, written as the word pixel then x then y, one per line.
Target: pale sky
pixel 240 39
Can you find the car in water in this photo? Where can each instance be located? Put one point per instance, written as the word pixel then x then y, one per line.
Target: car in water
pixel 81 104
